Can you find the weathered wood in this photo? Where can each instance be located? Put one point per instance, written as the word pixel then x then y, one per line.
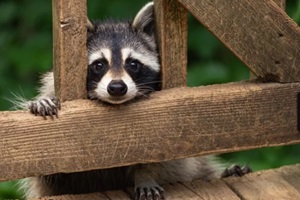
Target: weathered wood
pixel 291 175
pixel 178 191
pixel 171 28
pixel 268 184
pixel 264 185
pixel 262 35
pixel 117 195
pixel 280 3
pixel 69 41
pixel 214 190
pixel 92 196
pixel 172 124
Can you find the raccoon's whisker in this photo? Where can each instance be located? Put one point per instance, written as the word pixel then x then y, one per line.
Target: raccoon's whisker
pixel 147 83
pixel 144 95
pixel 92 84
pixel 145 90
pixel 145 87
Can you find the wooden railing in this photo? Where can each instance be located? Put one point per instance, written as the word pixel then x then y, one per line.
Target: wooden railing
pixel 228 117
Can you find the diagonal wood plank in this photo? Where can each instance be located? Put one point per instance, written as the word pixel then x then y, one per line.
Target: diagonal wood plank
pixel 228 117
pixel 262 35
pixel 280 3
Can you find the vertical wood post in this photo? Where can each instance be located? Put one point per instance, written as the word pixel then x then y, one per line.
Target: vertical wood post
pixel 69 43
pixel 171 28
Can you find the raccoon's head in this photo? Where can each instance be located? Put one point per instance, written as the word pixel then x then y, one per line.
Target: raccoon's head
pixel 123 59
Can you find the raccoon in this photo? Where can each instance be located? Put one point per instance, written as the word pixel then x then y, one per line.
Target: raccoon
pixel 123 64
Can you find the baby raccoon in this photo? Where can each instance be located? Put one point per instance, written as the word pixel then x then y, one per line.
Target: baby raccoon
pixel 123 64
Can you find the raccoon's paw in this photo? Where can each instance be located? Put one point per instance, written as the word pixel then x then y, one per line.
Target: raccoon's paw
pixel 236 170
pixel 149 193
pixel 45 106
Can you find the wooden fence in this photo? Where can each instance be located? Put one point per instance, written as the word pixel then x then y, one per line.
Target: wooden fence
pixel 228 117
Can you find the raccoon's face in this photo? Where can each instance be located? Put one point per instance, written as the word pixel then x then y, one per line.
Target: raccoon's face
pixel 123 60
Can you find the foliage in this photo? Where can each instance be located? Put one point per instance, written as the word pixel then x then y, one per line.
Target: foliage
pixel 26 52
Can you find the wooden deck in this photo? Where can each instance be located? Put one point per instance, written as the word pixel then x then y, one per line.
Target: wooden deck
pixel 282 183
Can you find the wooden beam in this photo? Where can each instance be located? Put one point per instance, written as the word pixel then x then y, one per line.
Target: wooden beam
pixel 92 196
pixel 174 123
pixel 69 41
pixel 171 27
pixel 280 3
pixel 258 32
pixel 281 183
pixel 269 184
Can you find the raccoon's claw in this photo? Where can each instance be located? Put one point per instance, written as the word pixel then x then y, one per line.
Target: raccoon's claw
pixel 236 170
pixel 45 106
pixel 149 193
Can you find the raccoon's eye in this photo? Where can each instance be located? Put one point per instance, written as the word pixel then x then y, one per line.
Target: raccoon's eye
pixel 98 66
pixel 133 65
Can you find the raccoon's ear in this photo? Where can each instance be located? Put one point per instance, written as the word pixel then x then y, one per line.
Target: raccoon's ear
pixel 144 20
pixel 89 25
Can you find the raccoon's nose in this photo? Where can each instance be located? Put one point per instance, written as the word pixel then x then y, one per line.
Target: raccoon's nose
pixel 117 88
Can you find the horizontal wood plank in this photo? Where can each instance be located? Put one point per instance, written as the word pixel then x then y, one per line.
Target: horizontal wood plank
pixel 117 195
pixel 291 175
pixel 178 191
pixel 214 190
pixel 265 185
pixel 170 124
pixel 268 184
pixel 92 196
pixel 258 32
pixel 69 44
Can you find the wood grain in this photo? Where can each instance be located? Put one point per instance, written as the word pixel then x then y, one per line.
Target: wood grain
pixel 214 190
pixel 268 184
pixel 69 41
pixel 171 28
pixel 117 195
pixel 262 35
pixel 92 196
pixel 280 3
pixel 291 175
pixel 178 191
pixel 171 124
pixel 264 185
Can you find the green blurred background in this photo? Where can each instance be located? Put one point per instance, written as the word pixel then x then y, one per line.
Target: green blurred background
pixel 26 52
